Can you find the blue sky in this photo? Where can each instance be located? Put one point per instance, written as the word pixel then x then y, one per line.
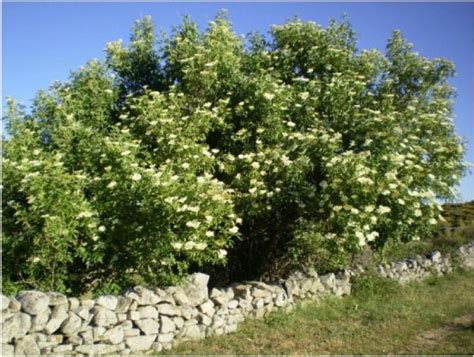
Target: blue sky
pixel 43 42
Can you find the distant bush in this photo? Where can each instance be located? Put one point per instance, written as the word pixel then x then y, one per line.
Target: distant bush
pixel 204 149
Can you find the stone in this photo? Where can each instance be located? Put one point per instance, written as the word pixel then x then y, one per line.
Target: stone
pixel 56 298
pixel 133 315
pixel 156 347
pixel 7 350
pixel 83 313
pixel 219 331
pixel 63 348
pixel 187 312
pixel 96 349
pixel 191 322
pixel 258 314
pixel 230 328
pixel 307 285
pixel 133 305
pixel 87 336
pixel 55 338
pixel 74 303
pixel 121 317
pixel 148 312
pixel 131 332
pixel 207 308
pixel 192 332
pixel 16 327
pixel 75 340
pixel 165 337
pixel 281 300
pixel 232 304
pixel 6 316
pixel 33 302
pixel 328 280
pixel 245 304
pixel 39 321
pixel 140 343
pixel 26 346
pixel 104 317
pixel 167 345
pixel 39 337
pixel 46 344
pixel 71 325
pixel 5 302
pixel 178 321
pixel 15 305
pixel 258 303
pixel 222 311
pixel 217 322
pixel 167 325
pixel 107 301
pixel 436 257
pixel 98 332
pixel 204 319
pixel 143 296
pixel 148 326
pixel 196 288
pixel 114 335
pixel 87 304
pixel 168 309
pixel 401 267
pixel 123 303
pixel 126 325
pixel 260 293
pixel 180 297
pixel 219 297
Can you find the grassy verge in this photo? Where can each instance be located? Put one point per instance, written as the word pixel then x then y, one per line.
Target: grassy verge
pixel 434 316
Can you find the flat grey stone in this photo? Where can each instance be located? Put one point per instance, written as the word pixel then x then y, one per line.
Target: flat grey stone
pixel 33 302
pixel 56 298
pixel 16 327
pixel 5 302
pixel 39 321
pixel 107 301
pixel 104 317
pixel 96 349
pixel 140 343
pixel 148 312
pixel 148 326
pixel 114 335
pixel 167 325
pixel 168 309
pixel 72 324
pixel 123 303
pixel 26 346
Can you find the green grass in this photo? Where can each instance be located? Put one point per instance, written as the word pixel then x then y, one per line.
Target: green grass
pixel 435 316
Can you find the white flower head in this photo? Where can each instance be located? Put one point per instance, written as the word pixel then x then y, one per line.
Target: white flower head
pixel 136 177
pixel 234 230
pixel 193 224
pixel 200 246
pixel 177 245
pixel 383 209
pixel 189 245
pixel 268 96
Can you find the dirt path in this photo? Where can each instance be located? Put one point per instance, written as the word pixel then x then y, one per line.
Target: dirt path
pixel 442 337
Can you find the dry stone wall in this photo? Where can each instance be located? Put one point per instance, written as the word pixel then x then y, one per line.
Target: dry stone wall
pixel 144 320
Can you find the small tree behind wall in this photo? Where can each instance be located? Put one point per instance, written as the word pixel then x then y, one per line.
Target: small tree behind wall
pixel 201 149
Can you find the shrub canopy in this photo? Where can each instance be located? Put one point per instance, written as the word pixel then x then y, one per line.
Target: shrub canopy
pixel 204 149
